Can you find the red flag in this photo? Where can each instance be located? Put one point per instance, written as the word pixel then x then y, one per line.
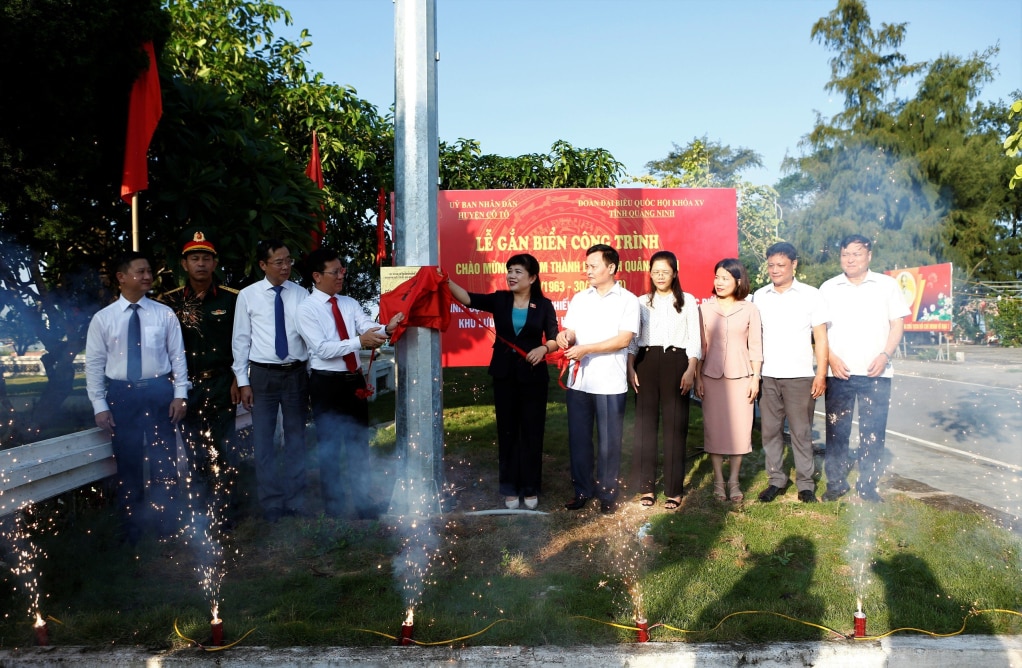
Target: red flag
pixel 315 172
pixel 381 236
pixel 144 111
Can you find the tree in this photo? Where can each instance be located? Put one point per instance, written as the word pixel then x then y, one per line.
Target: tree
pixel 917 175
pixel 463 166
pixel 708 164
pixel 1013 144
pixel 61 148
pixel 229 45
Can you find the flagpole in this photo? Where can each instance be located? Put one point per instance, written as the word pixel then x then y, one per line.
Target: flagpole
pixel 134 221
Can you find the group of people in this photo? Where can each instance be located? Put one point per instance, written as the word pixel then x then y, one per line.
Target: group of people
pixel 786 345
pixel 276 348
pixel 154 368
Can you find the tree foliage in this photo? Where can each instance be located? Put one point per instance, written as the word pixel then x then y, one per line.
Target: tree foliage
pixel 921 175
pixel 708 164
pixel 229 46
pixel 67 71
pixel 463 166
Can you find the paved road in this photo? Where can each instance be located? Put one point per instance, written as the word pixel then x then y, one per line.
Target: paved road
pixel 956 426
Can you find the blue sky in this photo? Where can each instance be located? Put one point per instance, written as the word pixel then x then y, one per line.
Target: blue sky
pixel 635 76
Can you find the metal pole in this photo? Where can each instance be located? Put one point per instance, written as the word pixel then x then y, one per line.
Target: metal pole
pixel 419 419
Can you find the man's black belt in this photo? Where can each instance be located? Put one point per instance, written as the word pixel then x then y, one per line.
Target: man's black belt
pixel 668 349
pixel 138 384
pixel 278 367
pixel 336 374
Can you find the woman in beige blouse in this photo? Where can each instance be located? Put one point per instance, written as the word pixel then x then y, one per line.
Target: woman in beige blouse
pixel 662 369
pixel 728 380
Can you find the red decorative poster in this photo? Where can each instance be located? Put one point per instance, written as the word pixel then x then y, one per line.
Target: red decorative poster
pixel 927 293
pixel 481 229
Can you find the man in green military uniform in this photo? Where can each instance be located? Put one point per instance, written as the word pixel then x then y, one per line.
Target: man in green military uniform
pixel 206 312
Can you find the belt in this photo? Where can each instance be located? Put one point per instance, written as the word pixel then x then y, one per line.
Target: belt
pixel 209 373
pixel 669 349
pixel 336 374
pixel 290 366
pixel 141 383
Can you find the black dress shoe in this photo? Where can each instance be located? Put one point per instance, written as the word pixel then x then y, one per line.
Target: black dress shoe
pixel 770 493
pixel 578 503
pixel 607 507
pixel 807 496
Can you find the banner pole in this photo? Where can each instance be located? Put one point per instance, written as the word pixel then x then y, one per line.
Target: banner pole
pixel 134 221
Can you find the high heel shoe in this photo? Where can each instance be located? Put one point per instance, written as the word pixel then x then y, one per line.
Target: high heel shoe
pixel 736 492
pixel 718 491
pixel 511 502
pixel 531 502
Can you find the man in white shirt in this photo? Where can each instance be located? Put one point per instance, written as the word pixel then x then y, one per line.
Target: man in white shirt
pixel 137 379
pixel 269 362
pixel 793 316
pixel 866 311
pixel 335 329
pixel 598 326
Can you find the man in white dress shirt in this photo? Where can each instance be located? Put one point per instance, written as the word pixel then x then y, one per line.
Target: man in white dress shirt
pixel 598 327
pixel 793 316
pixel 866 313
pixel 270 365
pixel 335 329
pixel 137 379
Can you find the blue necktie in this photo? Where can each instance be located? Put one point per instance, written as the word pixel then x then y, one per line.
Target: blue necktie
pixel 280 339
pixel 134 344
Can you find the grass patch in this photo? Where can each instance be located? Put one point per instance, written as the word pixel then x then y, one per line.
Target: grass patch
pixel 562 578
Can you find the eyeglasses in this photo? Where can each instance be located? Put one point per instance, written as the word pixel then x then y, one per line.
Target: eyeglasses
pixel 284 262
pixel 336 272
pixel 661 274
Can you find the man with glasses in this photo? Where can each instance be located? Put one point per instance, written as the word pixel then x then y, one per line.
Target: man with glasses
pixel 137 380
pixel 336 328
pixel 269 363
pixel 866 312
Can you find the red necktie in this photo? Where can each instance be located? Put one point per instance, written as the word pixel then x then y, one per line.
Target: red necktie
pixel 342 331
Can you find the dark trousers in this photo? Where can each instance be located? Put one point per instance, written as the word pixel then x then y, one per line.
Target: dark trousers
pixel 874 398
pixel 342 439
pixel 144 432
pixel 280 474
pixel 521 418
pixel 607 412
pixel 790 398
pixel 659 371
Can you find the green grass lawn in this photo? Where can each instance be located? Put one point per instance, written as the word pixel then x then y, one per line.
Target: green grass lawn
pixel 559 578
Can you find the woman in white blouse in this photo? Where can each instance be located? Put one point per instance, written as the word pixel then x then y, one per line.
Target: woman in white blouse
pixel 661 368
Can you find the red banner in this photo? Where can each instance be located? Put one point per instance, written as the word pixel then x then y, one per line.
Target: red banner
pixel 481 229
pixel 927 293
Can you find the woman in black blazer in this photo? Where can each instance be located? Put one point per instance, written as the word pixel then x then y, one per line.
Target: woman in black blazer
pixel 523 316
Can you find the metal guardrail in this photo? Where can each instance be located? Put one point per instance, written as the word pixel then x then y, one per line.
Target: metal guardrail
pixel 38 471
pixel 44 469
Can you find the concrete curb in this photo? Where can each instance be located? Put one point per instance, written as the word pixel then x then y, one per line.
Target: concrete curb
pixel 894 652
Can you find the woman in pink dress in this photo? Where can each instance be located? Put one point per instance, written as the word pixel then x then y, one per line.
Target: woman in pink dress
pixel 728 378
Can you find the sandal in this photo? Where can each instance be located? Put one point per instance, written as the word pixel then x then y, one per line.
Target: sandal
pixel 718 491
pixel 672 504
pixel 647 500
pixel 736 493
